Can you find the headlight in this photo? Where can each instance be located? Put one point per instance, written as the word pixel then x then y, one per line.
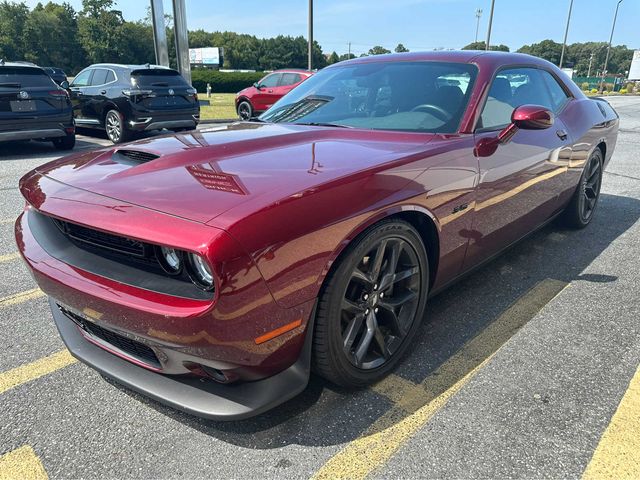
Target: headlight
pixel 170 260
pixel 200 272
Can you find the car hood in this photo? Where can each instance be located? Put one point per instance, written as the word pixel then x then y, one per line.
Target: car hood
pixel 202 174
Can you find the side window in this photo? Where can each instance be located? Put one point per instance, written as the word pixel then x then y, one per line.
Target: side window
pixel 510 89
pixel 289 79
pixel 82 80
pixel 110 76
pixel 270 80
pixel 558 95
pixel 99 76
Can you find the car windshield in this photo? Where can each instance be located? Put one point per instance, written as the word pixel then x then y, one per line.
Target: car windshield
pixel 408 96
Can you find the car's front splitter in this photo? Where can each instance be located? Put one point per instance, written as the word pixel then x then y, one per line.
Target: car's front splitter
pixel 191 394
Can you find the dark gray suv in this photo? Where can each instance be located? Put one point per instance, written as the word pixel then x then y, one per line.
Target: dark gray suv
pixel 122 99
pixel 33 106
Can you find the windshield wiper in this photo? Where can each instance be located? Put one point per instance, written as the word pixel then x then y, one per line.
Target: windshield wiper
pixel 323 124
pixel 299 109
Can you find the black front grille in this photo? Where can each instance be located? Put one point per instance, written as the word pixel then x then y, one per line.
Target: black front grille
pixel 137 155
pixel 135 349
pixel 96 238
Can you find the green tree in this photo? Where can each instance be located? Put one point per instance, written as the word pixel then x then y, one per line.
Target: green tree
pixel 378 50
pixel 400 48
pixel 53 21
pixel 347 56
pixel 13 17
pixel 333 58
pixel 100 31
pixel 483 46
pixel 547 49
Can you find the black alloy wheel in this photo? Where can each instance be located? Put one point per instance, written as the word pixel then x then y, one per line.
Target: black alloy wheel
pixel 581 208
pixel 372 306
pixel 245 111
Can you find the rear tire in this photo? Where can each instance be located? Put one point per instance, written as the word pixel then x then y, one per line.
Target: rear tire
pixel 115 127
pixel 65 143
pixel 245 110
pixel 582 206
pixel 371 305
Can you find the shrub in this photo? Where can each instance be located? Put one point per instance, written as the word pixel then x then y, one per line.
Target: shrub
pixel 608 86
pixel 594 90
pixel 223 82
pixel 585 86
pixel 623 91
pixel 630 87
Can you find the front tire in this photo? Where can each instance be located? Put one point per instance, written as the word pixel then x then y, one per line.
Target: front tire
pixel 371 306
pixel 245 111
pixel 582 206
pixel 65 143
pixel 115 127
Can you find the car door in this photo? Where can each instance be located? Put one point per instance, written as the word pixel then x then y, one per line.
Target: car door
pixel 287 82
pixel 96 93
pixel 79 100
pixel 520 180
pixel 266 95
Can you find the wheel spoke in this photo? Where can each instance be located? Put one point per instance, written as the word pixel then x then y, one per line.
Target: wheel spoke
pixel 363 346
pixel 398 300
pixel 351 332
pixel 390 279
pixel 361 276
pixel 351 307
pixel 382 345
pixel 377 261
pixel 391 317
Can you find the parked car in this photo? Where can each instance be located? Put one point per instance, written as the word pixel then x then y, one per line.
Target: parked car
pixel 312 238
pixel 261 95
pixel 122 99
pixel 57 74
pixel 32 106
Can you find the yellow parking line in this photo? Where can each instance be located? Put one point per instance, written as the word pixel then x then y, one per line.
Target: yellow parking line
pixel 8 257
pixel 415 406
pixel 21 297
pixel 22 463
pixel 618 453
pixel 31 371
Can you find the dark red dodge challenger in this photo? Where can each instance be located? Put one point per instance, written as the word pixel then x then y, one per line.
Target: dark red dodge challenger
pixel 213 270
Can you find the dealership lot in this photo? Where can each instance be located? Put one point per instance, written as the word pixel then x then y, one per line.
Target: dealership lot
pixel 518 371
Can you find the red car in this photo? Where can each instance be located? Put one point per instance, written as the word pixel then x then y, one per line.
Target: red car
pixel 261 95
pixel 212 270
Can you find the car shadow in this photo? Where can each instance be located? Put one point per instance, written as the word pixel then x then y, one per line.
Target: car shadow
pixel 324 415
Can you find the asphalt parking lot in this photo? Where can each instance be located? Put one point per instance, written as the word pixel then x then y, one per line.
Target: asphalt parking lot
pixel 528 368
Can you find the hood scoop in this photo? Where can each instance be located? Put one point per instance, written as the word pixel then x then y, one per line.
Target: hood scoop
pixel 133 157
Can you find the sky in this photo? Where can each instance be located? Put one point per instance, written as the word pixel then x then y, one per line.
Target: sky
pixel 417 24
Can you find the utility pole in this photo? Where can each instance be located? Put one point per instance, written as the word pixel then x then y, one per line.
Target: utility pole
pixel 606 59
pixel 310 35
pixel 566 32
pixel 590 63
pixel 478 15
pixel 493 2
pixel 349 56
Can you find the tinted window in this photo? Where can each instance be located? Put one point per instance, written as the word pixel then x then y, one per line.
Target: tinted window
pixel 155 77
pixel 23 77
pixel 558 95
pixel 510 89
pixel 289 79
pixel 99 76
pixel 82 80
pixel 413 96
pixel 110 76
pixel 270 80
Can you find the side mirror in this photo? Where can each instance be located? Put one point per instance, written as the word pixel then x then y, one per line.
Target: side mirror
pixel 527 117
pixel 64 84
pixel 258 86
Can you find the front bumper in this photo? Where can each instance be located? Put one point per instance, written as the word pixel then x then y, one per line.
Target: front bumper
pixel 190 394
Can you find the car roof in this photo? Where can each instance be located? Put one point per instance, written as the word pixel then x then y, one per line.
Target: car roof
pixel 457 56
pixel 19 64
pixel 129 66
pixel 292 70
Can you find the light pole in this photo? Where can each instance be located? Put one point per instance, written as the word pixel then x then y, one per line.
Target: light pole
pixel 590 63
pixel 490 23
pixel 310 35
pixel 478 15
pixel 566 32
pixel 606 58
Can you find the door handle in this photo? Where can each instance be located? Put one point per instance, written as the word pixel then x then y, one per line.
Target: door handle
pixel 270 91
pixel 103 92
pixel 562 134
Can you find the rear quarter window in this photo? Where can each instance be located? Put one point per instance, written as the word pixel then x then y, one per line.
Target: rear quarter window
pixel 22 77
